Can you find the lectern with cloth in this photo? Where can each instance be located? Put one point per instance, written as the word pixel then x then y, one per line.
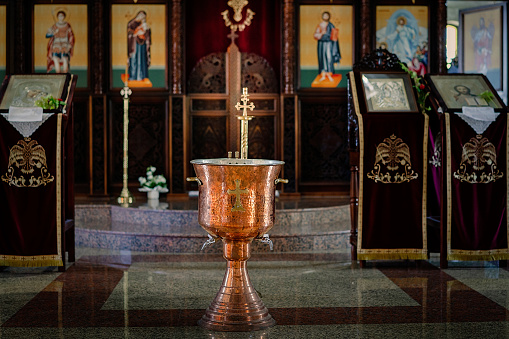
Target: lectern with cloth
pixel 393 134
pixel 471 167
pixel 36 172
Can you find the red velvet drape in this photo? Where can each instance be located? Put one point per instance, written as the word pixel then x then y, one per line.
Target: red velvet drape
pixel 28 215
pixel 206 31
pixel 478 229
pixel 392 213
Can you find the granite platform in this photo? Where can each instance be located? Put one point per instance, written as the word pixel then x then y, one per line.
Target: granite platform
pixel 301 225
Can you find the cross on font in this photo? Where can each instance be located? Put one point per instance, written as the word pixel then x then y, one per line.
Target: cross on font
pixel 237 191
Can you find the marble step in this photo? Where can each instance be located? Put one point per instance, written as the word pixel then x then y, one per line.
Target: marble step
pixel 145 228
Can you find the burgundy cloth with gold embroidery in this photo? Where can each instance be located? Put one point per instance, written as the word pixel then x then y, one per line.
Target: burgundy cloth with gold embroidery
pixel 475 169
pixel 30 175
pixel 392 205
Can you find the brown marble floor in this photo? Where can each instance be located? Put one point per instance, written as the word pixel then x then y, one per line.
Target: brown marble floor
pixel 124 294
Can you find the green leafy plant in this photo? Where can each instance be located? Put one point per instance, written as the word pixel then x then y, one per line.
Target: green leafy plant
pixel 49 102
pixel 488 96
pixel 420 87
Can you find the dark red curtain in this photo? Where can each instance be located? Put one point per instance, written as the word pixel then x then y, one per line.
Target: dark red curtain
pixel 206 31
pixel 392 213
pixel 478 228
pixel 28 215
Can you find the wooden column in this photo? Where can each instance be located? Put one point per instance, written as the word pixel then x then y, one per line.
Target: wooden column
pixel 20 24
pixel 97 116
pixel 288 98
pixel 365 28
pixel 440 34
pixel 97 54
pixel 177 79
pixel 288 69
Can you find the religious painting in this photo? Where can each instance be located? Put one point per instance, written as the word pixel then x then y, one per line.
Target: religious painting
pixel 139 44
pixel 482 34
pixel 455 91
pixel 23 90
pixel 388 92
pixel 60 43
pixel 325 45
pixel 404 32
pixel 3 41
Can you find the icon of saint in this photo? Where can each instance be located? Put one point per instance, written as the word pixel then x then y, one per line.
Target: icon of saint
pixel 60 44
pixel 138 48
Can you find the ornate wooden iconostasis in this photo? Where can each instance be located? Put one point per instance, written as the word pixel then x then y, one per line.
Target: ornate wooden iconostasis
pixel 242 52
pixel 181 107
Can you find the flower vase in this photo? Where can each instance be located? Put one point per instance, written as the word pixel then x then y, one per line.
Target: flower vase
pixel 153 195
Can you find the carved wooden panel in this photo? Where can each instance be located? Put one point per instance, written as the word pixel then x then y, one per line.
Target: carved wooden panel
pixel 257 74
pixel 81 140
pixel 262 138
pixel 177 145
pixel 209 75
pixel 264 104
pixel 324 144
pixel 379 59
pixel 208 104
pixel 209 137
pixel 147 139
pixel 289 144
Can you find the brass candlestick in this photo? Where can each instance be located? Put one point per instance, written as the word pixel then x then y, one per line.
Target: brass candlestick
pixel 125 197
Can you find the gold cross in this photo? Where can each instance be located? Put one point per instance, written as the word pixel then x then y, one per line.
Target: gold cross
pixel 245 99
pixel 237 191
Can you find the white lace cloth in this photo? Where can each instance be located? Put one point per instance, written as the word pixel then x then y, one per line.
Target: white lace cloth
pixel 27 128
pixel 479 118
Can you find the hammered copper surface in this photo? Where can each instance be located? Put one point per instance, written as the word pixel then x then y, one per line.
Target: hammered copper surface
pixel 236 204
pixel 256 192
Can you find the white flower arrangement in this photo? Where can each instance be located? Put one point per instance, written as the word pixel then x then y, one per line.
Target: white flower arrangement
pixel 153 182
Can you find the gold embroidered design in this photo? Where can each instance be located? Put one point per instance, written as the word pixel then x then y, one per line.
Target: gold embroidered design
pixel 478 154
pixel 28 156
pixel 392 154
pixel 237 207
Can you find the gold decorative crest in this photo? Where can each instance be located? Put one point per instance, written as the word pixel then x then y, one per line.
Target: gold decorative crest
pixel 479 155
pixel 237 6
pixel 28 156
pixel 392 154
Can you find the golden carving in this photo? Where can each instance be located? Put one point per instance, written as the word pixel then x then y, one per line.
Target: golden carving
pixel 237 6
pixel 27 155
pixel 392 153
pixel 237 191
pixel 479 153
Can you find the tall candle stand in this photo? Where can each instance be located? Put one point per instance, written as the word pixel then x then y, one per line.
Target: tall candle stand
pixel 125 197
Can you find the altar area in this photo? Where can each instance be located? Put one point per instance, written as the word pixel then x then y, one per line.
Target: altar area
pixel 301 225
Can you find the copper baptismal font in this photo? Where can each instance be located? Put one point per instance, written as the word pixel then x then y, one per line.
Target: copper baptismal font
pixel 236 206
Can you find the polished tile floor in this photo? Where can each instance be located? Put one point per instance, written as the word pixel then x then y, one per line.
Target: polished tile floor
pixel 124 294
